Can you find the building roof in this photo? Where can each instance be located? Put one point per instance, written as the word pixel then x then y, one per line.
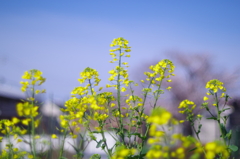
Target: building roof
pixel 11 92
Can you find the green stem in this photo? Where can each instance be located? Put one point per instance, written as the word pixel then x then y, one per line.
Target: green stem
pixel 158 92
pixel 33 141
pixel 131 125
pixel 89 81
pixel 105 142
pixel 219 117
pixel 155 103
pixel 80 146
pixel 62 146
pixel 102 133
pixel 197 134
pixel 10 145
pixel 119 99
pixel 32 136
pixel 145 94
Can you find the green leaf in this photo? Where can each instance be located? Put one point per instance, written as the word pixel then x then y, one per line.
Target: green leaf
pixel 224 110
pixel 135 157
pixel 195 156
pixel 229 135
pixel 103 146
pixel 136 134
pixel 116 129
pixel 95 156
pixel 192 149
pixel 145 150
pixel 226 97
pixel 234 148
pixel 214 118
pixel 224 131
pixel 96 132
pixel 139 135
pixel 75 148
pixel 200 126
pixel 99 144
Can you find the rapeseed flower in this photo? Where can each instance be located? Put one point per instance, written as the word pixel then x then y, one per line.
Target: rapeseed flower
pixel 214 85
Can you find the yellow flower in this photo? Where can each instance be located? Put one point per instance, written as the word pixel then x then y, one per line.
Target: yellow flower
pixel 37 91
pixel 122 152
pixel 37 137
pixel 54 136
pixel 169 88
pixel 123 89
pixel 210 146
pixel 26 75
pixel 112 105
pixel 182 121
pixel 159 116
pixel 7 123
pixel 214 85
pixel 15 136
pixel 19 140
pixel 26 121
pixel 15 149
pixel 23 132
pixel 74 136
pixel 205 98
pixel 223 95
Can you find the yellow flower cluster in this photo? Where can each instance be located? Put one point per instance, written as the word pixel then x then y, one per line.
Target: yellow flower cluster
pixel 187 143
pixel 160 71
pixel 164 146
pixel 27 109
pixel 159 116
pixel 134 102
pixel 119 73
pixel 216 149
pixel 120 43
pixel 88 74
pixel 122 152
pixel 86 106
pixel 187 107
pixel 33 77
pixel 17 154
pixel 214 85
pixel 178 147
pixel 158 151
pixel 9 127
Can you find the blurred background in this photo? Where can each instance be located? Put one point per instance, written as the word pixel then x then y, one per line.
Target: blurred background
pixel 61 38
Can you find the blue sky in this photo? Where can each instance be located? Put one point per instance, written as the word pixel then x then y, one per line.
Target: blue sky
pixel 61 38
